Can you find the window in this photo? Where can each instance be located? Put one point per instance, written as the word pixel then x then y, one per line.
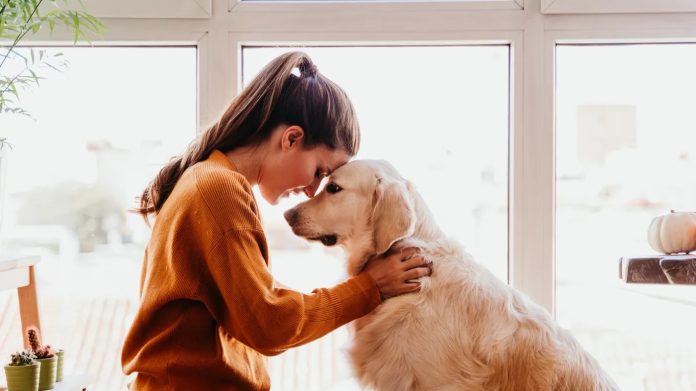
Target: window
pixel 440 115
pixel 531 31
pixel 625 135
pixel 102 129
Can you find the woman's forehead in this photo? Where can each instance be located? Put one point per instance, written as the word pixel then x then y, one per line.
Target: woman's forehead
pixel 332 159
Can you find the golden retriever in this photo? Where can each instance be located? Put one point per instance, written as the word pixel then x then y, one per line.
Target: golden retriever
pixel 465 329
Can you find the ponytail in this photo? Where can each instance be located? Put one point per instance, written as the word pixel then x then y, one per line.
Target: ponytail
pixel 275 96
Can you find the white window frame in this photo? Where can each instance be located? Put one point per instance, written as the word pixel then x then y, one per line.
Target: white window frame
pixel 615 6
pixel 531 34
pixel 150 8
pixel 380 6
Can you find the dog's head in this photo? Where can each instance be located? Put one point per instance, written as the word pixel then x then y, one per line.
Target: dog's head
pixel 365 204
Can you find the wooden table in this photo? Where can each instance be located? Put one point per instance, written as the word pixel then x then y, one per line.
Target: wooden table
pixel 658 269
pixel 18 273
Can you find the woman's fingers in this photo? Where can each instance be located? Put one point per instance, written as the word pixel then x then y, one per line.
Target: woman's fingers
pixel 410 287
pixel 407 253
pixel 398 273
pixel 414 262
pixel 416 273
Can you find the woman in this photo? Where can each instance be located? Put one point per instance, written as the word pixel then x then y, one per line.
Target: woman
pixel 210 309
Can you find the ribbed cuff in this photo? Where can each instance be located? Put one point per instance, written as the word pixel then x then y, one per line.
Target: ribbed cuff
pixel 368 287
pixel 354 298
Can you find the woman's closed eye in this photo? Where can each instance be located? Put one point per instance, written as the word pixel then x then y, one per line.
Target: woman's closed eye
pixel 333 188
pixel 319 174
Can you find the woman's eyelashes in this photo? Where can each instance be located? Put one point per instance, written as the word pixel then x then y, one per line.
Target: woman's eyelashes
pixel 320 174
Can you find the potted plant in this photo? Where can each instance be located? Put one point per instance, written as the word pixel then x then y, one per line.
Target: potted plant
pixel 47 358
pixel 22 372
pixel 59 365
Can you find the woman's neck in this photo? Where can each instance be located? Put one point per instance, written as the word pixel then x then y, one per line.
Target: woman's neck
pixel 248 161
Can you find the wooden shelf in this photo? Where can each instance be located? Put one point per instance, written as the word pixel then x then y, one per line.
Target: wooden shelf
pixel 659 269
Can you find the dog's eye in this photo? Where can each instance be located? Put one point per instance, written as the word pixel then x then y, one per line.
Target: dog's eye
pixel 333 188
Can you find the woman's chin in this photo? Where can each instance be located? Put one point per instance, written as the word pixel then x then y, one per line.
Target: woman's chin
pixel 275 199
pixel 270 198
pixel 272 201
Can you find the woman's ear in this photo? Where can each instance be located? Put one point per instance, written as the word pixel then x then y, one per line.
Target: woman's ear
pixel 292 136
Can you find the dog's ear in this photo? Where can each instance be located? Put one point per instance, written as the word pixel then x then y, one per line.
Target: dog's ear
pixel 393 216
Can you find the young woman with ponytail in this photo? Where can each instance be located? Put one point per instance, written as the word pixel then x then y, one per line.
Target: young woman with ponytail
pixel 210 310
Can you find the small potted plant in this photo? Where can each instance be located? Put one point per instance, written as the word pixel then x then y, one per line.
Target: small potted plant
pixel 59 366
pixel 48 360
pixel 22 372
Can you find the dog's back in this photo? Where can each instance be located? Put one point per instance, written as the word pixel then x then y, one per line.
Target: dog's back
pixel 466 330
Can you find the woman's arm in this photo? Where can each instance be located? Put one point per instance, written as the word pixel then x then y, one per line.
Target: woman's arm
pixel 238 289
pixel 243 299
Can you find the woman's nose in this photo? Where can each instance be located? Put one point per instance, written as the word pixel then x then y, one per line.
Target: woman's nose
pixel 310 191
pixel 312 188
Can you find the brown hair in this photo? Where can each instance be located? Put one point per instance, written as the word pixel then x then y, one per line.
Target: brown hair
pixel 275 96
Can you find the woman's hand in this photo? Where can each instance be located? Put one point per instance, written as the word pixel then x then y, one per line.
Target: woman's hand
pixel 392 273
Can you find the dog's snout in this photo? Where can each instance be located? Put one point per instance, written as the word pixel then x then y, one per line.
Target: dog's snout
pixel 291 216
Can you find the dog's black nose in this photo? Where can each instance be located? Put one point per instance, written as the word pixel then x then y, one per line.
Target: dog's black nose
pixel 291 216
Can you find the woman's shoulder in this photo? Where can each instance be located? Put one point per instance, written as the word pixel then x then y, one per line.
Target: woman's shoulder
pixel 211 175
pixel 226 193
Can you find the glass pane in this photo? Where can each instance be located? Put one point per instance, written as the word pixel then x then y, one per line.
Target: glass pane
pixel 625 154
pixel 101 130
pixel 440 115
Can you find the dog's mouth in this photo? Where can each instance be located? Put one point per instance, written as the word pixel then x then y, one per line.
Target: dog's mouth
pixel 326 240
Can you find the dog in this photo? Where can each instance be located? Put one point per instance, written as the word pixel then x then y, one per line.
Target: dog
pixel 465 329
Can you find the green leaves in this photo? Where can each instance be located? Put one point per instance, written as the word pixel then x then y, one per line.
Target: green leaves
pixel 21 17
pixel 35 62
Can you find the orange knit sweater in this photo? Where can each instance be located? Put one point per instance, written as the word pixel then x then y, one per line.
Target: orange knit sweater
pixel 209 307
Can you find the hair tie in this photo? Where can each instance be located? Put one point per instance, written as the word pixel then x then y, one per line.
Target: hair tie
pixel 308 69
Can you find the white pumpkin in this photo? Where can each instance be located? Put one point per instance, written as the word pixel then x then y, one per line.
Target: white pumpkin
pixel 673 233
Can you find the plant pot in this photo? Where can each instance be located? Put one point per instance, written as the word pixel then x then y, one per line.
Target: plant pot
pixel 47 375
pixel 22 377
pixel 59 366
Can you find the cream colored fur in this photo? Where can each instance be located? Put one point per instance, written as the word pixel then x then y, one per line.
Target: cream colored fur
pixel 465 329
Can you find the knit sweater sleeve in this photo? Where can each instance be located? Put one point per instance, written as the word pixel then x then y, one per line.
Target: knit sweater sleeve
pixel 240 293
pixel 271 319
